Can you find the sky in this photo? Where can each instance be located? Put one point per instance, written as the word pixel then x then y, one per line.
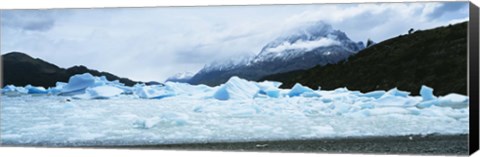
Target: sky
pixel 152 44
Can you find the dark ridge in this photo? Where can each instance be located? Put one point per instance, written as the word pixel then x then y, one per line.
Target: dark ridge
pixel 20 69
pixel 435 57
pixel 80 69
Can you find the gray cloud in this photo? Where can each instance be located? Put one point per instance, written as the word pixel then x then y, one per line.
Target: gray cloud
pixel 447 7
pixel 155 43
pixel 30 20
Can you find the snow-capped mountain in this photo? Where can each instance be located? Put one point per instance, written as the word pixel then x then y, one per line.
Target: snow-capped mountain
pixel 312 44
pixel 227 64
pixel 180 77
pixel 306 39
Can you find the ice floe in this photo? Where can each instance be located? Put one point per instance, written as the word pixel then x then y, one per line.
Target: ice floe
pixel 238 110
pixel 236 88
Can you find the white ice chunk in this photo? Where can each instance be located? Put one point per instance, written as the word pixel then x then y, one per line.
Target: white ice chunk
pixel 103 92
pixel 146 123
pixel 396 92
pixel 126 89
pixel 427 93
pixel 386 111
pixel 14 89
pixel 29 120
pixel 270 88
pixel 78 83
pixel 236 88
pixel 310 94
pixel 426 104
pixel 453 100
pixel 8 88
pixel 298 90
pixel 374 94
pixel 57 89
pixel 268 84
pixel 153 92
pixel 395 101
pixel 167 119
pixel 35 90
pixel 341 90
pixel 189 90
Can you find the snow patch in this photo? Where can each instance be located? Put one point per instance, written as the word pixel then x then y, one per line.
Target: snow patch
pixel 303 45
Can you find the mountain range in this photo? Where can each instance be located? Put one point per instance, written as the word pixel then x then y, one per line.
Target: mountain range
pixel 180 77
pixel 316 43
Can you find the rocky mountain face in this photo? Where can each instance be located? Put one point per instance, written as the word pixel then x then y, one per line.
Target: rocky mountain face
pixel 308 46
pixel 180 77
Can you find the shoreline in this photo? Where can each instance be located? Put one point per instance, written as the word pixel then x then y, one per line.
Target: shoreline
pixel 410 144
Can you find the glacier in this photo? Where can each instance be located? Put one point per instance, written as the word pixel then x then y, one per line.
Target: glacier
pixel 92 111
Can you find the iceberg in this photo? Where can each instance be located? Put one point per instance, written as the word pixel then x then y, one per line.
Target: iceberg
pixel 13 89
pixel 374 94
pixel 77 84
pixel 249 111
pixel 270 88
pixel 427 93
pixel 153 91
pixel 103 92
pixel 35 90
pixel 236 88
pixel 57 89
pixel 453 100
pixel 189 90
pixel 299 90
pixel 426 104
pixel 8 88
pixel 126 89
pixel 396 92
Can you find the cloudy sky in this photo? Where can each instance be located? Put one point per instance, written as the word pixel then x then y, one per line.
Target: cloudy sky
pixel 154 43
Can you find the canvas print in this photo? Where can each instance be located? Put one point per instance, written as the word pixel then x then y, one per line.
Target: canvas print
pixel 331 78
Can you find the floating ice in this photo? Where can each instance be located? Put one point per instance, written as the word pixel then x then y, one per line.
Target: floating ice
pixel 374 94
pixel 35 90
pixel 453 100
pixel 429 103
pixel 270 88
pixel 298 90
pixel 153 91
pixel 190 90
pixel 78 83
pixel 12 89
pixel 236 88
pixel 103 92
pixel 51 120
pixel 396 92
pixel 57 89
pixel 427 93
pixel 167 119
pixel 8 88
pixel 249 111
